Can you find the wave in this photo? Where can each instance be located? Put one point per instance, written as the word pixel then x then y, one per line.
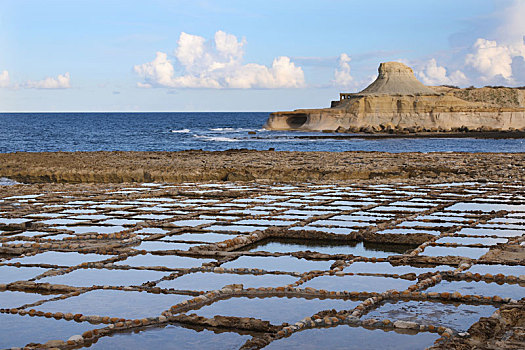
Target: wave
pixel 181 131
pixel 216 138
pixel 231 129
pixel 222 129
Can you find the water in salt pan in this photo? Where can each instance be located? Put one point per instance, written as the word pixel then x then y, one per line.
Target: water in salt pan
pixel 120 222
pixel 405 231
pixel 45 215
pixel 508 270
pixel 151 217
pixel 208 237
pixel 395 209
pixel 471 240
pixel 103 277
pixel 387 268
pixel 457 316
pixel 334 230
pixel 93 229
pixel 474 231
pixel 164 338
pixel 17 331
pixel 427 224
pixel 151 230
pixel 264 222
pixel 236 228
pixel 60 221
pixel 469 252
pixel 192 223
pixel 10 274
pixel 329 247
pixel 353 217
pixel 32 233
pixel 349 338
pixel 290 310
pixel 115 303
pixel 61 258
pixel 9 221
pixel 357 283
pixel 171 261
pixel 162 245
pixel 90 217
pixel 14 299
pixel 340 223
pixel 504 290
pixel 281 263
pixel 207 281
pixel 485 207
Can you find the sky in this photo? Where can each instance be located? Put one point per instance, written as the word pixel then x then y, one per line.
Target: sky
pixel 160 55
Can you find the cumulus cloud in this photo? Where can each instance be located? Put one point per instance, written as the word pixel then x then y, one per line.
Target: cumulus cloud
pixel 342 76
pixel 4 79
pixel 497 58
pixel 434 74
pixel 493 59
pixel 216 64
pixel 62 81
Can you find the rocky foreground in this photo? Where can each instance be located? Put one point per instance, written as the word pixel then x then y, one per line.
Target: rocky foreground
pixel 443 232
pixel 245 165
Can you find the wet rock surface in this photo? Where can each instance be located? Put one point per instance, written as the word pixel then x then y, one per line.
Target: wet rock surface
pixel 336 253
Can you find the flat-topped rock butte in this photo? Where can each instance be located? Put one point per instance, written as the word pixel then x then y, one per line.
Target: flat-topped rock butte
pixel 397 102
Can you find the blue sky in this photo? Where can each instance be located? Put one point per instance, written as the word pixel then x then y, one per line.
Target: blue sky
pixel 64 55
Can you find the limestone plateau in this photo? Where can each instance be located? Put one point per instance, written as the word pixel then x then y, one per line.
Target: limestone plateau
pixel 396 102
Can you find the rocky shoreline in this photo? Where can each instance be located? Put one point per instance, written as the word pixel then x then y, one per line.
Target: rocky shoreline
pixel 248 165
pixel 370 133
pixel 396 102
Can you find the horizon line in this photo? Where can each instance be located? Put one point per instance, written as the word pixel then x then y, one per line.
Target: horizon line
pixel 4 112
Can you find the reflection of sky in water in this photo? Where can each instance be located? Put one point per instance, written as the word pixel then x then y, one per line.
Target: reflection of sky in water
pixel 164 338
pixel 115 303
pixel 281 263
pixel 329 247
pixel 17 331
pixel 103 277
pixel 514 291
pixel 346 337
pixel 291 310
pixel 206 281
pixel 459 317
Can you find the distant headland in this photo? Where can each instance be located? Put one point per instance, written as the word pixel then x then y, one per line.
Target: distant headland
pixel 397 103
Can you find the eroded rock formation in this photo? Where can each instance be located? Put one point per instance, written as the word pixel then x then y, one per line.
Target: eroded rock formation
pixel 397 102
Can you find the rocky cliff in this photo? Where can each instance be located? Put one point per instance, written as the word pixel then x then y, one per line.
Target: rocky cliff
pixel 397 102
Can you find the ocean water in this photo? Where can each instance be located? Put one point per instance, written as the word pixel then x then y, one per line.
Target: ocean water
pixel 45 132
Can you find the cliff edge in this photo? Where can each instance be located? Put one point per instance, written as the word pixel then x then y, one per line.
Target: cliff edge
pixel 397 102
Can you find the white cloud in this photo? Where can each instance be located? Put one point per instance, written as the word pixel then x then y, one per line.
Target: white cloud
pixel 62 81
pixel 433 74
pixel 495 59
pixel 512 27
pixel 4 79
pixel 342 76
pixel 216 64
pixel 491 59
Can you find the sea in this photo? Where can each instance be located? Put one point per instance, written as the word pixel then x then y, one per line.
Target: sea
pixel 70 132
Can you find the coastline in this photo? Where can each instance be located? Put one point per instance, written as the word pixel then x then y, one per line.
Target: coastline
pixel 497 135
pixel 251 165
